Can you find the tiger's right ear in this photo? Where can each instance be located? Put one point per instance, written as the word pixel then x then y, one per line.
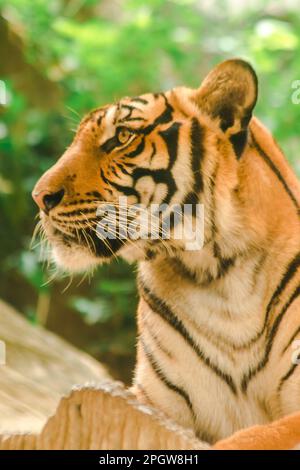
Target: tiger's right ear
pixel 228 94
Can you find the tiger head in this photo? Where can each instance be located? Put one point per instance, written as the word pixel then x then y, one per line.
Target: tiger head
pixel 160 149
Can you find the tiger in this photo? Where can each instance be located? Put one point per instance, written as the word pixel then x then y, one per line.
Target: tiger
pixel 217 324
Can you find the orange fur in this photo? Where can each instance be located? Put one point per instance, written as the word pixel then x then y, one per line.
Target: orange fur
pixel 283 434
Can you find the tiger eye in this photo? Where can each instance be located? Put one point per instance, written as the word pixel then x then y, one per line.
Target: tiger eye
pixel 123 135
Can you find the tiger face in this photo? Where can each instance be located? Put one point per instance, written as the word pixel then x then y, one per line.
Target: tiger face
pixel 152 149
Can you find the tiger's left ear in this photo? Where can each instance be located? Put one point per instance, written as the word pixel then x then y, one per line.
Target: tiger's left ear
pixel 228 94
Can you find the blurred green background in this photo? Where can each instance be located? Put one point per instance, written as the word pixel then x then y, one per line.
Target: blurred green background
pixel 59 59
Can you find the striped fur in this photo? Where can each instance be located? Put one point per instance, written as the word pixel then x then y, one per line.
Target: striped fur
pixel 216 326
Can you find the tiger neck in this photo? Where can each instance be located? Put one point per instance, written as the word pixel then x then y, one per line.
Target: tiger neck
pixel 247 220
pixel 242 231
pixel 227 264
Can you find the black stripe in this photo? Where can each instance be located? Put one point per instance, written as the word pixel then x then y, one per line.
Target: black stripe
pixel 128 164
pixel 197 152
pixel 133 119
pixel 160 308
pixel 85 222
pixel 154 338
pixel 165 380
pixel 183 270
pixel 106 181
pixel 126 190
pixel 153 152
pixel 77 212
pixel 252 372
pixel 287 376
pixel 130 109
pixel 239 141
pixel 212 187
pixel 101 116
pixel 99 120
pixel 113 170
pixel 170 137
pixel 123 169
pixel 165 117
pixel 139 149
pixel 276 171
pixel 137 99
pixel 192 199
pixel 95 194
pixel 224 263
pixel 79 201
pixel 143 391
pixel 110 144
pixel 288 275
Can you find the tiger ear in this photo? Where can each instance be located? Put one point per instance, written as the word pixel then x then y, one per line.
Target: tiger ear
pixel 228 94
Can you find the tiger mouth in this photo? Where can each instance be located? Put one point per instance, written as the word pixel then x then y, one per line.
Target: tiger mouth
pixel 80 235
pixel 92 237
pixel 102 230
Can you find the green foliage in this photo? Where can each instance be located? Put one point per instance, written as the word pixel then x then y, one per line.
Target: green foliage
pixel 86 53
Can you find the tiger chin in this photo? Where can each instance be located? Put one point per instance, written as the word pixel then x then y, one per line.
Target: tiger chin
pixel 217 324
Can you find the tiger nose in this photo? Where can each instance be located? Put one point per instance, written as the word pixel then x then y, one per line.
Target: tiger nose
pixel 47 200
